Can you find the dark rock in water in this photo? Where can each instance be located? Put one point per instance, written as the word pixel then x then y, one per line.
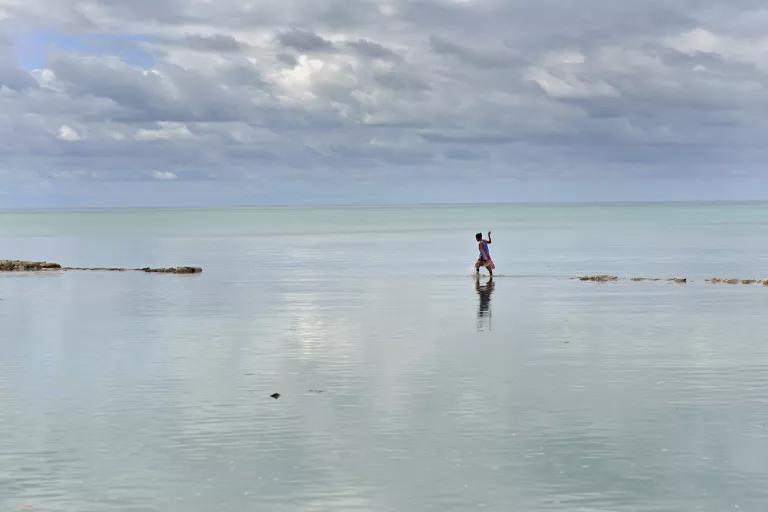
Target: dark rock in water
pixel 275 395
pixel 31 266
pixel 599 278
pixel 173 270
pixel 679 280
pixel 716 280
pixel 26 266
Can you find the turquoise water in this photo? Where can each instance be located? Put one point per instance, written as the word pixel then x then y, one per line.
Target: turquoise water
pixel 405 383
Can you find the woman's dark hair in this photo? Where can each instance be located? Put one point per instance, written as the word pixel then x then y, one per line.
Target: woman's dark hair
pixel 478 236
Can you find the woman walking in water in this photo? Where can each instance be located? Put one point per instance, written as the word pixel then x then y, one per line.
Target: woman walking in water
pixel 484 260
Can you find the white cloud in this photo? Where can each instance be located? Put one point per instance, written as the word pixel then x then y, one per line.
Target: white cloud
pixel 45 78
pixel 388 8
pixel 751 50
pixel 66 133
pixel 164 175
pixel 568 85
pixel 165 131
pixel 564 57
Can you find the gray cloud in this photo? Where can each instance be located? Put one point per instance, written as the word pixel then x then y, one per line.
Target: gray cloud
pixel 402 81
pixel 465 154
pixel 474 139
pixel 216 43
pixel 287 59
pixel 304 41
pixel 306 96
pixel 11 75
pixel 372 50
pixel 473 57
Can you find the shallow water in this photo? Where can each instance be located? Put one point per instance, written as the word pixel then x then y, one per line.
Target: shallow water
pixel 405 384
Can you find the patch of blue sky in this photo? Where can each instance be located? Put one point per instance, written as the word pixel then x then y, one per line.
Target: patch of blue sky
pixel 33 48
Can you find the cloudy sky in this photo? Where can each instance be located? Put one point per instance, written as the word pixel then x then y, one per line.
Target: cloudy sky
pixel 217 102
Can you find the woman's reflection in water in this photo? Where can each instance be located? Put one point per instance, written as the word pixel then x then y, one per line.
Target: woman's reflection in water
pixel 484 292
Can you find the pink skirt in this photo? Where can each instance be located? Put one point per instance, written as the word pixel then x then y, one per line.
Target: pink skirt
pixel 484 263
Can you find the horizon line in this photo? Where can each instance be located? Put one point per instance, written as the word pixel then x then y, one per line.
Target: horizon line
pixel 309 206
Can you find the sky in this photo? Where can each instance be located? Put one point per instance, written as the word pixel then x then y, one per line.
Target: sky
pixel 262 102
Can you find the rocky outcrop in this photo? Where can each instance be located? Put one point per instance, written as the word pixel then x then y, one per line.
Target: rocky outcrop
pixel 678 280
pixel 602 278
pixel 173 270
pixel 26 266
pixel 721 280
pixel 30 266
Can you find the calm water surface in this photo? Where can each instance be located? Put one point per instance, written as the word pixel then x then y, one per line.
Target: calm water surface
pixel 406 385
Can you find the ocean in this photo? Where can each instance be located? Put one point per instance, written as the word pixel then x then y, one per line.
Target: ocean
pixel 406 384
